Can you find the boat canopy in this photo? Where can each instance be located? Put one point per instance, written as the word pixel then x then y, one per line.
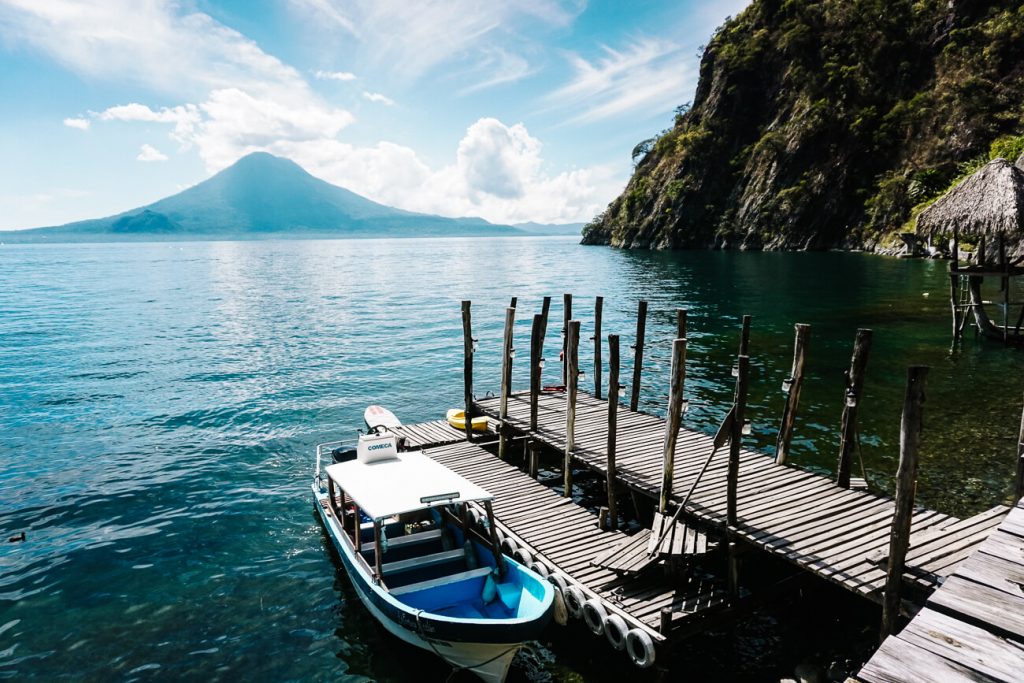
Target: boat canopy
pixel 406 483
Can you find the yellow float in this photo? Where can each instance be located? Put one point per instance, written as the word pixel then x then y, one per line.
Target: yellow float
pixel 457 418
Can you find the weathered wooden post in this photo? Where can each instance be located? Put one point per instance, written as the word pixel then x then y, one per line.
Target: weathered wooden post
pixel 792 385
pixel 745 336
pixel 851 403
pixel 675 416
pixel 507 354
pixel 598 305
pixel 536 349
pixel 613 421
pixel 738 426
pixel 544 309
pixel 680 323
pixel 954 286
pixel 638 354
pixel 514 301
pixel 467 365
pixel 1018 489
pixel 573 377
pixel 566 317
pixel 906 481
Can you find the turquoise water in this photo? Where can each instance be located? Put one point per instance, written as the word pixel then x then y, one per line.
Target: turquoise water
pixel 161 403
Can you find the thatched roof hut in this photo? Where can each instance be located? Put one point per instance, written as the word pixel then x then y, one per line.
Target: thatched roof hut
pixel 988 202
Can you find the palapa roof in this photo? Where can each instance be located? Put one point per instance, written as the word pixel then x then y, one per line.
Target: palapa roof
pixel 989 201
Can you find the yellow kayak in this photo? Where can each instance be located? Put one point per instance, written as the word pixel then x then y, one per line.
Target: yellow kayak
pixel 457 418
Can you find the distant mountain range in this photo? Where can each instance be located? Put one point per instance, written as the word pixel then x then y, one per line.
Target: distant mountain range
pixel 264 196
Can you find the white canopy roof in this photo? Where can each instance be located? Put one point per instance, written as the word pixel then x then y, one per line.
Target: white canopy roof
pixel 410 482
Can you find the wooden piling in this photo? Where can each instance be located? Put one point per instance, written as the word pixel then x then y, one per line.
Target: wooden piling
pixel 675 416
pixel 613 420
pixel 906 481
pixel 794 383
pixel 544 309
pixel 573 377
pixel 680 323
pixel 1018 489
pixel 467 366
pixel 638 354
pixel 515 300
pixel 851 404
pixel 665 621
pixel 745 336
pixel 740 407
pixel 506 382
pixel 536 351
pixel 598 305
pixel 954 302
pixel 566 317
pixel 532 457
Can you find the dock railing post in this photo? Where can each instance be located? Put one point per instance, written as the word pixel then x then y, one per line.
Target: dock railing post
pixel 598 305
pixel 680 323
pixel 507 354
pixel 566 317
pixel 467 365
pixel 851 402
pixel 792 386
pixel 638 354
pixel 675 416
pixel 573 380
pixel 1018 488
pixel 613 421
pixel 906 481
pixel 536 349
pixel 738 427
pixel 745 336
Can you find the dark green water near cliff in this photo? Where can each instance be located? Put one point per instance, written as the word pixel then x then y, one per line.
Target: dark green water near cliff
pixel 161 404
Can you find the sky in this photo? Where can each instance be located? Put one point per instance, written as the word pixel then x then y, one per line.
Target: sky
pixel 511 110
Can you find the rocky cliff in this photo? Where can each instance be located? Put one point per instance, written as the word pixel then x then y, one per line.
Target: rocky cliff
pixel 822 124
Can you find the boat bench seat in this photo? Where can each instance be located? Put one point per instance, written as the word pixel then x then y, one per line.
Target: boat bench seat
pixel 423 561
pixel 442 581
pixel 418 537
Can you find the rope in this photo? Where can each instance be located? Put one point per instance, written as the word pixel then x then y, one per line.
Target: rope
pixel 455 667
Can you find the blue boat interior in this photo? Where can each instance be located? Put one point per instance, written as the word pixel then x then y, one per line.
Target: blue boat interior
pixel 430 566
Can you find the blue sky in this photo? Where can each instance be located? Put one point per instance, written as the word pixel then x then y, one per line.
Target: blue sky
pixel 511 110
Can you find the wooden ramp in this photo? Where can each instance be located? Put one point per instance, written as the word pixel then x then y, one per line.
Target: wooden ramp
pixel 800 516
pixel 565 537
pixel 972 628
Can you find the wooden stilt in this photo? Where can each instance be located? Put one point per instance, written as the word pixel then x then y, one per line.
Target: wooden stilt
pixel 745 337
pixel 536 357
pixel 467 366
pixel 906 480
pixel 598 305
pixel 1018 489
pixel 735 440
pixel 566 317
pixel 638 354
pixel 851 403
pixel 533 458
pixel 680 323
pixel 675 416
pixel 613 420
pixel 792 385
pixel 573 379
pixel 515 300
pixel 507 354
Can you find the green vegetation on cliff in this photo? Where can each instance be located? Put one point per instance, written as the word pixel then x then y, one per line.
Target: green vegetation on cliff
pixel 822 124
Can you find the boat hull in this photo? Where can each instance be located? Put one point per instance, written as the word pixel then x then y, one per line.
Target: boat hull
pixel 485 647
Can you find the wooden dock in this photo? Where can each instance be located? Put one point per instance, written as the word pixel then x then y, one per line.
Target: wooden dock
pixel 838 534
pixel 972 628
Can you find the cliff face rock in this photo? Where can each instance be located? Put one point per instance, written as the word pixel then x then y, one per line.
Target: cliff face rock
pixel 821 124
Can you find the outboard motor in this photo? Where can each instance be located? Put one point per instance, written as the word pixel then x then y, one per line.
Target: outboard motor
pixel 343 453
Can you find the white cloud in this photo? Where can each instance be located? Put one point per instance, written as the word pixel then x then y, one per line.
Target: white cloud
pixel 649 75
pixel 334 75
pixel 498 66
pixel 80 124
pixel 150 153
pixel 377 97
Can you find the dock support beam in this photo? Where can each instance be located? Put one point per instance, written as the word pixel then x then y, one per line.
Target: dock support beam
pixel 507 354
pixel 906 481
pixel 675 416
pixel 851 403
pixel 566 317
pixel 536 349
pixel 573 376
pixel 467 365
pixel 1018 489
pixel 638 354
pixel 613 421
pixel 792 385
pixel 598 305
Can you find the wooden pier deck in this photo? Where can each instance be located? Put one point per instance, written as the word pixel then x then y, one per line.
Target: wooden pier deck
pixel 565 536
pixel 838 534
pixel 972 628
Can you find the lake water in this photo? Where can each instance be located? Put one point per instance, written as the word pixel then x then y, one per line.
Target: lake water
pixel 160 404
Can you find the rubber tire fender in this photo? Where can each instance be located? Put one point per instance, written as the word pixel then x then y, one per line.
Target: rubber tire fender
pixel 595 614
pixel 559 582
pixel 509 546
pixel 615 630
pixel 574 601
pixel 640 647
pixel 523 557
pixel 540 569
